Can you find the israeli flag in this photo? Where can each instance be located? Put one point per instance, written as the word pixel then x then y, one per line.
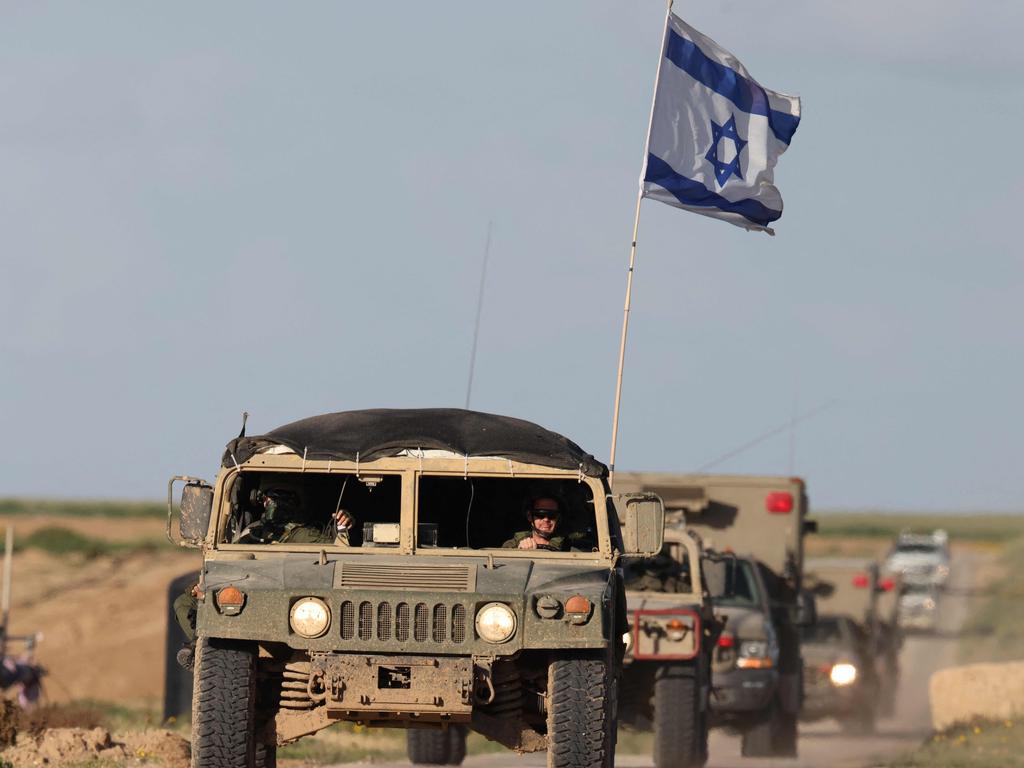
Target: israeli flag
pixel 716 134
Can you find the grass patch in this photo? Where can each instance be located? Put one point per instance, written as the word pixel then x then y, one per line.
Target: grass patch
pixel 887 525
pixel 68 508
pixel 57 540
pixel 346 743
pixel 979 745
pixel 994 630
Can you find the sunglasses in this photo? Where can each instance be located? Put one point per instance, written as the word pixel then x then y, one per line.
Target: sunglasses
pixel 545 513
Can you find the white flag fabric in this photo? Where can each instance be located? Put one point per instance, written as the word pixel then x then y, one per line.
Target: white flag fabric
pixel 716 134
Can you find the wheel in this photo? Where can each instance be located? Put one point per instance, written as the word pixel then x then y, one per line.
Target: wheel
pixel 861 722
pixel 266 756
pixel 580 713
pixel 760 739
pixel 785 738
pixel 456 745
pixel 428 746
pixel 224 704
pixel 677 718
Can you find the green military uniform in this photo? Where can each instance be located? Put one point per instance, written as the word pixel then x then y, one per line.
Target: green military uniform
pixel 564 543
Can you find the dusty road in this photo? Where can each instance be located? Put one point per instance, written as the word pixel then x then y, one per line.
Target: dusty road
pixel 822 745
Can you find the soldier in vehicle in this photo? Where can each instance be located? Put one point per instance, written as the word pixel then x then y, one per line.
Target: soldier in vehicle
pixel 544 514
pixel 285 520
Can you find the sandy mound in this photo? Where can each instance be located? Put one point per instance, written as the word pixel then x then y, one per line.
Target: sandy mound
pixel 69 746
pixel 977 691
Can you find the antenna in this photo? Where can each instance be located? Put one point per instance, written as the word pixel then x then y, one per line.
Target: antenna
pixel 245 418
pixel 789 424
pixel 479 310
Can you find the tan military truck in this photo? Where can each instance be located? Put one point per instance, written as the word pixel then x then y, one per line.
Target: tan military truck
pixel 425 609
pixel 850 671
pixel 667 676
pixel 756 665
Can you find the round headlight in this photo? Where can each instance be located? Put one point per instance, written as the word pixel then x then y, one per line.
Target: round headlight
pixel 495 622
pixel 843 674
pixel 310 617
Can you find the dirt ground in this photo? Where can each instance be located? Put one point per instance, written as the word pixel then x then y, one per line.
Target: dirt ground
pixel 103 618
pixel 103 623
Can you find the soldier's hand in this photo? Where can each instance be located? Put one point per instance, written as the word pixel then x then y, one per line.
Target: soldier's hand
pixel 528 543
pixel 343 519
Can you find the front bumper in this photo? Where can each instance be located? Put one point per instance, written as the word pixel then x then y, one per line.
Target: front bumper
pixel 826 700
pixel 742 690
pixel 368 686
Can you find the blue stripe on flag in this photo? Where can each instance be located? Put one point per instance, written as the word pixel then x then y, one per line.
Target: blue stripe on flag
pixel 744 93
pixel 690 192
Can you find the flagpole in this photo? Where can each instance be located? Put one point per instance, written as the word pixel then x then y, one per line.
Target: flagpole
pixel 632 257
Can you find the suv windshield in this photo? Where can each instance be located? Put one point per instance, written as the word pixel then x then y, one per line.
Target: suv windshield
pixel 745 593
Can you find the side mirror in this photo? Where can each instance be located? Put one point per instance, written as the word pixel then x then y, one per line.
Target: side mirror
pixel 719 575
pixel 806 609
pixel 195 509
pixel 642 518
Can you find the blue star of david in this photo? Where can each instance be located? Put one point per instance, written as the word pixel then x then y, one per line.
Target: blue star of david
pixel 724 170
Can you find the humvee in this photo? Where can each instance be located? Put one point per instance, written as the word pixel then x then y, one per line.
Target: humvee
pixel 756 666
pixel 667 674
pixel 418 617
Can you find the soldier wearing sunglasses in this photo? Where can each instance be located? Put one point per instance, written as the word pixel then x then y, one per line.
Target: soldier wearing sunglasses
pixel 543 513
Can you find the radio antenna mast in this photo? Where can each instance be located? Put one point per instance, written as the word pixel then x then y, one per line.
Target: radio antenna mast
pixel 479 310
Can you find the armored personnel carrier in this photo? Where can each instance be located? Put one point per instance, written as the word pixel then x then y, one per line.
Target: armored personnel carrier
pixel 373 567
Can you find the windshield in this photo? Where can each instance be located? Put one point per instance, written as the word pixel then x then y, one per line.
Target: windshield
pixel 343 509
pixel 745 593
pixel 823 631
pixel 669 571
pixel 928 549
pixel 506 513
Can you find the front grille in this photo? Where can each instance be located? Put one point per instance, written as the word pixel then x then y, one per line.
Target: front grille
pixel 417 621
pixel 377 575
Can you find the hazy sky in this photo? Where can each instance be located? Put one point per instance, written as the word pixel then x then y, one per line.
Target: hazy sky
pixel 214 207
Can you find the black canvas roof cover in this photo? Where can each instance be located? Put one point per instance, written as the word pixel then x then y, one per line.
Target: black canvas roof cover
pixel 380 432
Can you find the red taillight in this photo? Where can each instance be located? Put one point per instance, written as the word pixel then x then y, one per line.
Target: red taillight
pixel 779 502
pixel 861 581
pixel 726 641
pixel 887 585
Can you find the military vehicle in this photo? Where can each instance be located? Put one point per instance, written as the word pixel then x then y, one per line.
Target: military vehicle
pixel 851 661
pixel 918 607
pixel 920 558
pixel 756 664
pixel 414 613
pixel 21 676
pixel 667 673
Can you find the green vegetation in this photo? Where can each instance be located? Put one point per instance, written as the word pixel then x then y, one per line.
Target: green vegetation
pixel 886 525
pixel 994 630
pixel 58 540
pixel 979 745
pixel 68 508
pixel 347 743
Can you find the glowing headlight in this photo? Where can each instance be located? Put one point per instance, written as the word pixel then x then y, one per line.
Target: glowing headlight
pixel 843 674
pixel 310 617
pixel 495 622
pixel 627 640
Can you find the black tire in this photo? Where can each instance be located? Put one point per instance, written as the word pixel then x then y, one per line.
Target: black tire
pixel 266 756
pixel 428 746
pixel 224 705
pixel 677 719
pixel 861 722
pixel 456 745
pixel 785 737
pixel 759 740
pixel 580 713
